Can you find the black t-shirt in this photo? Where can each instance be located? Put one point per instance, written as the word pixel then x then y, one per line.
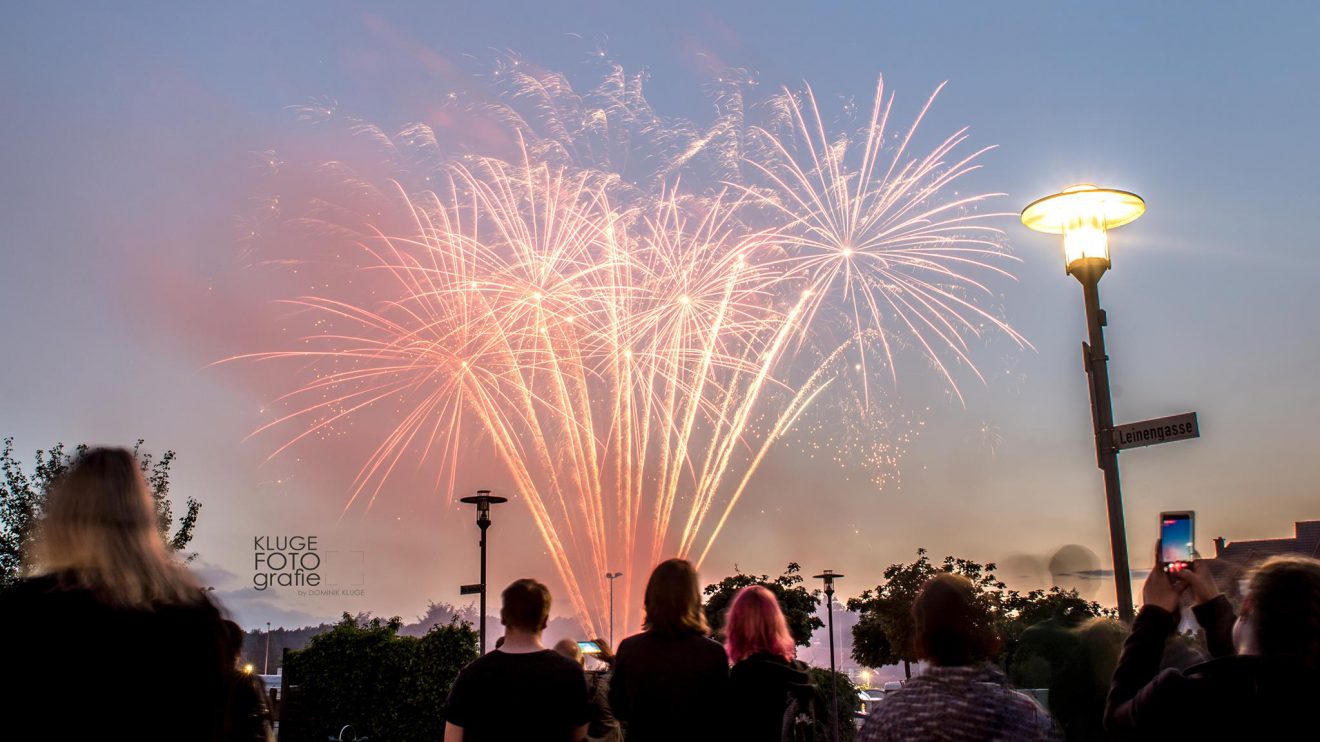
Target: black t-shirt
pixel 506 696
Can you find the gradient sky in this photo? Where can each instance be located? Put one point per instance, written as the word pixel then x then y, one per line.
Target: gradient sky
pixel 124 164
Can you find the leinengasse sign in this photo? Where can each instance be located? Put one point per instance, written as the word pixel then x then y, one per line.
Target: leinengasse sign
pixel 1159 430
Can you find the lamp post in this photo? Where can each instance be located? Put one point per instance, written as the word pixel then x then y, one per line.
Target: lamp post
pixel 483 500
pixel 1084 214
pixel 265 668
pixel 829 576
pixel 612 576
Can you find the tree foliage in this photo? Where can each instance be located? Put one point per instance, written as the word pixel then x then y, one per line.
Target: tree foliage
pixel 849 704
pixel 23 501
pixel 885 630
pixel 797 602
pixel 362 673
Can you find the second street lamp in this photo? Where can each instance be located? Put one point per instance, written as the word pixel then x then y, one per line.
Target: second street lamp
pixel 829 576
pixel 483 500
pixel 612 576
pixel 1084 214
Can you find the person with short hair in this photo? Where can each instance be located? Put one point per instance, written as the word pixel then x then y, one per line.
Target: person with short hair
pixel 1265 675
pixel 961 697
pixel 520 691
pixel 670 682
pixel 766 677
pixel 110 634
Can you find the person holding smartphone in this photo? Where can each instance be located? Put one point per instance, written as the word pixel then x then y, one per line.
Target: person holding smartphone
pixel 1265 673
pixel 602 726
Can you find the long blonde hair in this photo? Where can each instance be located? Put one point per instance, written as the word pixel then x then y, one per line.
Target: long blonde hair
pixel 100 532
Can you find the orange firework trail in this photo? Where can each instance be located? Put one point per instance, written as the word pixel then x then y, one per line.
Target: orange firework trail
pixel 624 342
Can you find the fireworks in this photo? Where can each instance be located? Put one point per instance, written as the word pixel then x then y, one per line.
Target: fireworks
pixel 630 344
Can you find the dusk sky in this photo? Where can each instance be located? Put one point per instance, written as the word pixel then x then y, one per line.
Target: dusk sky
pixel 127 151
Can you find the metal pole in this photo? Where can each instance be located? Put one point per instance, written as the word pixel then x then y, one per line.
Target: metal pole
pixel 1102 416
pixel 834 681
pixel 483 523
pixel 265 667
pixel 829 576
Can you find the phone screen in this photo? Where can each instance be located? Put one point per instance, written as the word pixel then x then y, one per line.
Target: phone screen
pixel 1177 540
pixel 589 647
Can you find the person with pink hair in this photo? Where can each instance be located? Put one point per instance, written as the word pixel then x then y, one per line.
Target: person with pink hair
pixel 766 678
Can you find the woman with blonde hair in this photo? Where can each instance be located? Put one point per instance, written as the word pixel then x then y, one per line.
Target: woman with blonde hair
pixel 670 681
pixel 109 636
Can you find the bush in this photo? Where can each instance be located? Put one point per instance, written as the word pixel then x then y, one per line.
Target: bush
pixel 388 687
pixel 849 704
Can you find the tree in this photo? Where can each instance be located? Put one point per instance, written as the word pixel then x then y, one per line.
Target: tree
pixel 797 603
pixel 885 630
pixel 1039 632
pixel 362 673
pixel 23 501
pixel 849 704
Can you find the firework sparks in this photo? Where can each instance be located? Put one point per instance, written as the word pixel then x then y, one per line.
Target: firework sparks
pixel 625 341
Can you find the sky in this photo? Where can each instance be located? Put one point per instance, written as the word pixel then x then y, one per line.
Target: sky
pixel 126 150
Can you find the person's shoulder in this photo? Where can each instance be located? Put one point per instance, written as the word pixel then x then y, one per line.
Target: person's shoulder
pixel 29 587
pixel 561 663
pixel 43 590
pixel 759 662
pixel 708 645
pixel 629 647
pixel 631 642
pixel 1223 666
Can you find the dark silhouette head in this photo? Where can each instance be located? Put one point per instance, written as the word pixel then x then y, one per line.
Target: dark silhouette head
pixel 953 626
pixel 673 600
pixel 1282 608
pixel 525 606
pixel 569 649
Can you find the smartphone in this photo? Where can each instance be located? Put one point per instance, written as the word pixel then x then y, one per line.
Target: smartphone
pixel 589 647
pixel 1177 539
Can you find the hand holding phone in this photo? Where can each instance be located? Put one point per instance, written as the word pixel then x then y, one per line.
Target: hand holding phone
pixel 589 647
pixel 1160 589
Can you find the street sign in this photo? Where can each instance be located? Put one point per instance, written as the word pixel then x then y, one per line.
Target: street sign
pixel 474 589
pixel 1159 430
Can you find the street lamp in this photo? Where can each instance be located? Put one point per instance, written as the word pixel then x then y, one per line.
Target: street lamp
pixel 265 668
pixel 829 576
pixel 483 500
pixel 612 576
pixel 1084 214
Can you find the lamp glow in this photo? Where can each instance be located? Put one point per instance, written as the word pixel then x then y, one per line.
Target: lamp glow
pixel 1084 214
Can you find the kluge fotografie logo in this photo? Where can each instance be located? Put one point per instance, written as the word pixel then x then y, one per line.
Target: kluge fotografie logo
pixel 296 562
pixel 285 561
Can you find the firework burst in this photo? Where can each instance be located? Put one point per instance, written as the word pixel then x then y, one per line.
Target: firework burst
pixel 627 342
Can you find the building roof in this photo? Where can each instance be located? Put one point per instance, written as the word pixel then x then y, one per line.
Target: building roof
pixel 1233 559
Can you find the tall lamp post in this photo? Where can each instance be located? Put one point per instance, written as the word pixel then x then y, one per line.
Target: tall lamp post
pixel 483 500
pixel 829 576
pixel 612 576
pixel 265 668
pixel 1084 214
